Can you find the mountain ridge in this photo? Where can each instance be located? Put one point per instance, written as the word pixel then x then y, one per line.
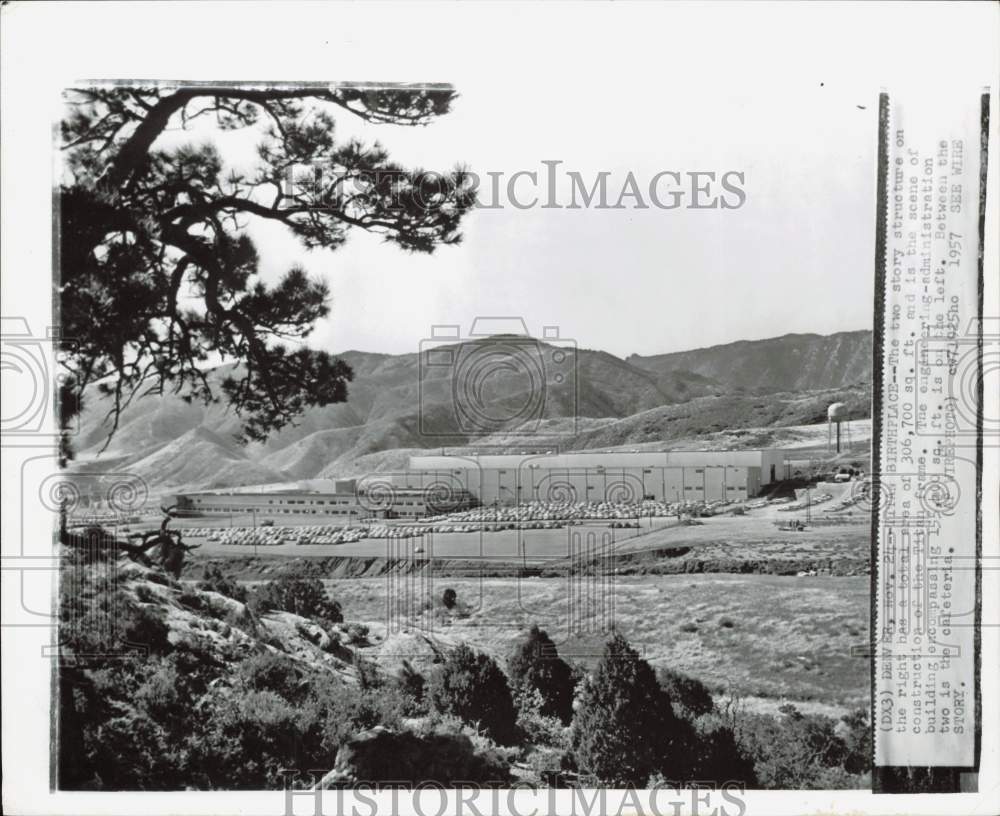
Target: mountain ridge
pixel 840 354
pixel 398 403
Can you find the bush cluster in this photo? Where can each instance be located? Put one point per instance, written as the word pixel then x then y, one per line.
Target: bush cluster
pixel 180 713
pixel 214 580
pixel 535 665
pixel 183 720
pixel 471 686
pixel 301 596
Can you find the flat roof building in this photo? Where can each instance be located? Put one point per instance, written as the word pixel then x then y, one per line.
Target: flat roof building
pixel 612 476
pixel 372 497
pixel 441 483
pixel 284 503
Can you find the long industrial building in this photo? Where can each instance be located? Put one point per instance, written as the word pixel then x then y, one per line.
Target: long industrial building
pixel 350 502
pixel 509 479
pixel 436 483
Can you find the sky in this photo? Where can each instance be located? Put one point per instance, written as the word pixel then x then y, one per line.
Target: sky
pixel 797 256
pixel 795 114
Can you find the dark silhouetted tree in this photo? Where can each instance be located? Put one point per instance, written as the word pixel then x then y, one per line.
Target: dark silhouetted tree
pixel 158 274
pixel 690 697
pixel 535 664
pixel 624 730
pixel 472 686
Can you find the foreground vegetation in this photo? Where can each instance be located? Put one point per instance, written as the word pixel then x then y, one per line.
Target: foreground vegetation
pixel 226 688
pixel 754 635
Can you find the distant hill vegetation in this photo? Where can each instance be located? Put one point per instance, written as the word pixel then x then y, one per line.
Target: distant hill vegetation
pixel 397 405
pixel 794 362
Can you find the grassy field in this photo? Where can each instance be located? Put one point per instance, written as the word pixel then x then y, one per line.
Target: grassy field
pixel 767 637
pixel 761 635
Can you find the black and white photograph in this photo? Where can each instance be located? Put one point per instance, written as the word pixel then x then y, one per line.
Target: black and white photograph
pixel 516 429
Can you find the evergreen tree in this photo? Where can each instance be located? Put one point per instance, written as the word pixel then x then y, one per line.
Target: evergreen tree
pixel 158 272
pixel 535 664
pixel 691 698
pixel 625 730
pixel 471 686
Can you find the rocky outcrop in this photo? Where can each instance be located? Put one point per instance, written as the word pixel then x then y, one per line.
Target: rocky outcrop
pixel 383 755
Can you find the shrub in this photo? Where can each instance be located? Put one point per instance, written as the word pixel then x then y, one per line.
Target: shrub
pixel 858 740
pixel 690 697
pixel 330 644
pixel 535 727
pixel 301 596
pixel 624 730
pixel 546 766
pixel 98 620
pixel 449 597
pixel 336 711
pixel 251 737
pixel 357 634
pixel 144 594
pixel 215 581
pixel 727 623
pixel 413 686
pixel 795 750
pixel 130 724
pixel 268 671
pixel 314 636
pixel 471 686
pixel 143 627
pixel 715 753
pixel 369 676
pixel 192 600
pixel 535 664
pixel 161 578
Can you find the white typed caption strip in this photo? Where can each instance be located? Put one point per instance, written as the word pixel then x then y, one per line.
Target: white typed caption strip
pixel 926 548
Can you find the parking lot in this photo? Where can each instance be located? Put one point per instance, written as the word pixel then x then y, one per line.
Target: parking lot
pixel 531 533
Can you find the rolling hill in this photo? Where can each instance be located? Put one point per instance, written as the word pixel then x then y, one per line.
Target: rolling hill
pixel 494 392
pixel 794 362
